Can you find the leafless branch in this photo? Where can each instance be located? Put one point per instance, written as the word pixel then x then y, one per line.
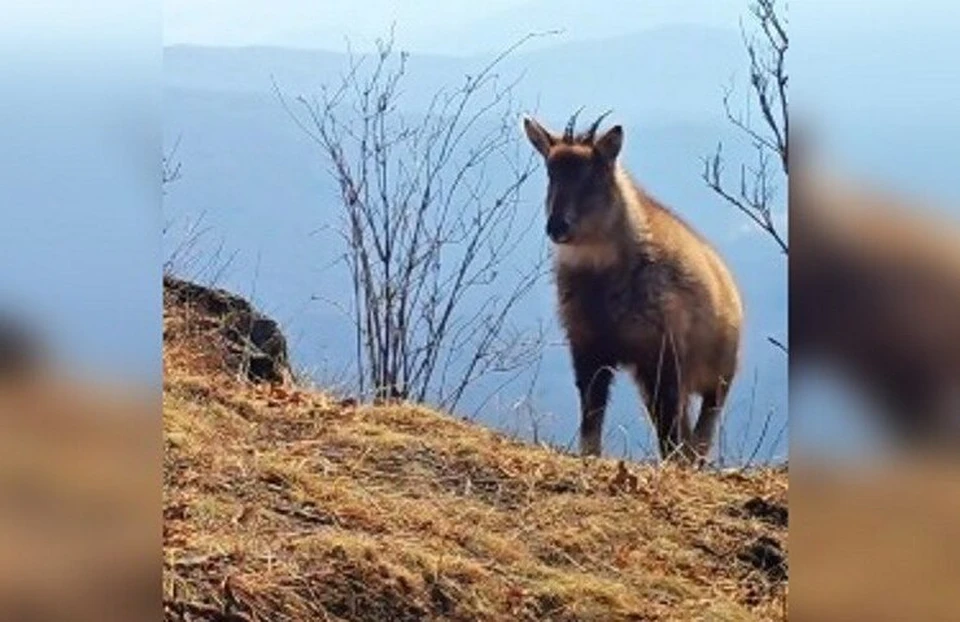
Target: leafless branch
pixel 755 193
pixel 778 344
pixel 191 252
pixel 431 223
pixel 170 166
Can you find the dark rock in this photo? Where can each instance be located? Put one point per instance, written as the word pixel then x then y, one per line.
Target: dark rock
pixel 256 338
pixel 768 511
pixel 766 555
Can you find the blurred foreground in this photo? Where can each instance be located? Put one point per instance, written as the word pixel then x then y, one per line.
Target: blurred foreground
pixel 876 542
pixel 875 296
pixel 80 484
pixel 874 302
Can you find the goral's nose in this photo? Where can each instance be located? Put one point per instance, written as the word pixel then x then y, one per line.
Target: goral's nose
pixel 558 229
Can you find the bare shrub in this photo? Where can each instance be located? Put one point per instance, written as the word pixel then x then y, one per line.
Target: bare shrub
pixel 431 224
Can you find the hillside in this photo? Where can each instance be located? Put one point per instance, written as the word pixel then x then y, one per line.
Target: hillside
pixel 282 503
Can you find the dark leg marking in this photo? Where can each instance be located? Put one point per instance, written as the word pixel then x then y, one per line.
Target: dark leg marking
pixel 706 428
pixel 667 403
pixel 594 373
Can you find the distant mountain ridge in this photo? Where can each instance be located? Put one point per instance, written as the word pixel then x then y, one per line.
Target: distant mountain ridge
pixel 676 71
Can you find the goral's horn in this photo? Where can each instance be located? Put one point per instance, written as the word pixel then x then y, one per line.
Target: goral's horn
pixel 571 124
pixel 592 132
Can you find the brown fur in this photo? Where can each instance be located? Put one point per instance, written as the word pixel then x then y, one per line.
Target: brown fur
pixel 637 289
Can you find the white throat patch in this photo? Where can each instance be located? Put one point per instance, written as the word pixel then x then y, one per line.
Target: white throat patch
pixel 594 256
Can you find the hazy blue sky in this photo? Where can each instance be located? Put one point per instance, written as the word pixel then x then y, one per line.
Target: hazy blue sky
pixel 426 25
pixel 432 25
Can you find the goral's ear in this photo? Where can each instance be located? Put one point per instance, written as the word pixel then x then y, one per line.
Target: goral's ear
pixel 608 145
pixel 539 136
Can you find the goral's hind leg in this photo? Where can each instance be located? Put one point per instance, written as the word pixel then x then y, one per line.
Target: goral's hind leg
pixel 667 401
pixel 594 373
pixel 706 428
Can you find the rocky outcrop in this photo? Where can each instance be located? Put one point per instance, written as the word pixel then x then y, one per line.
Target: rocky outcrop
pixel 257 346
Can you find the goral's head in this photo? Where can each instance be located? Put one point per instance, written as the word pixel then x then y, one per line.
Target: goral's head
pixel 581 170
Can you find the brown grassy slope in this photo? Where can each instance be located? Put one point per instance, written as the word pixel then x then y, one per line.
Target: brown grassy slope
pixel 282 504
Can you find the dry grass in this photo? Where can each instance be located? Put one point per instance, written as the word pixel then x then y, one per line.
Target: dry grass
pixel 282 504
